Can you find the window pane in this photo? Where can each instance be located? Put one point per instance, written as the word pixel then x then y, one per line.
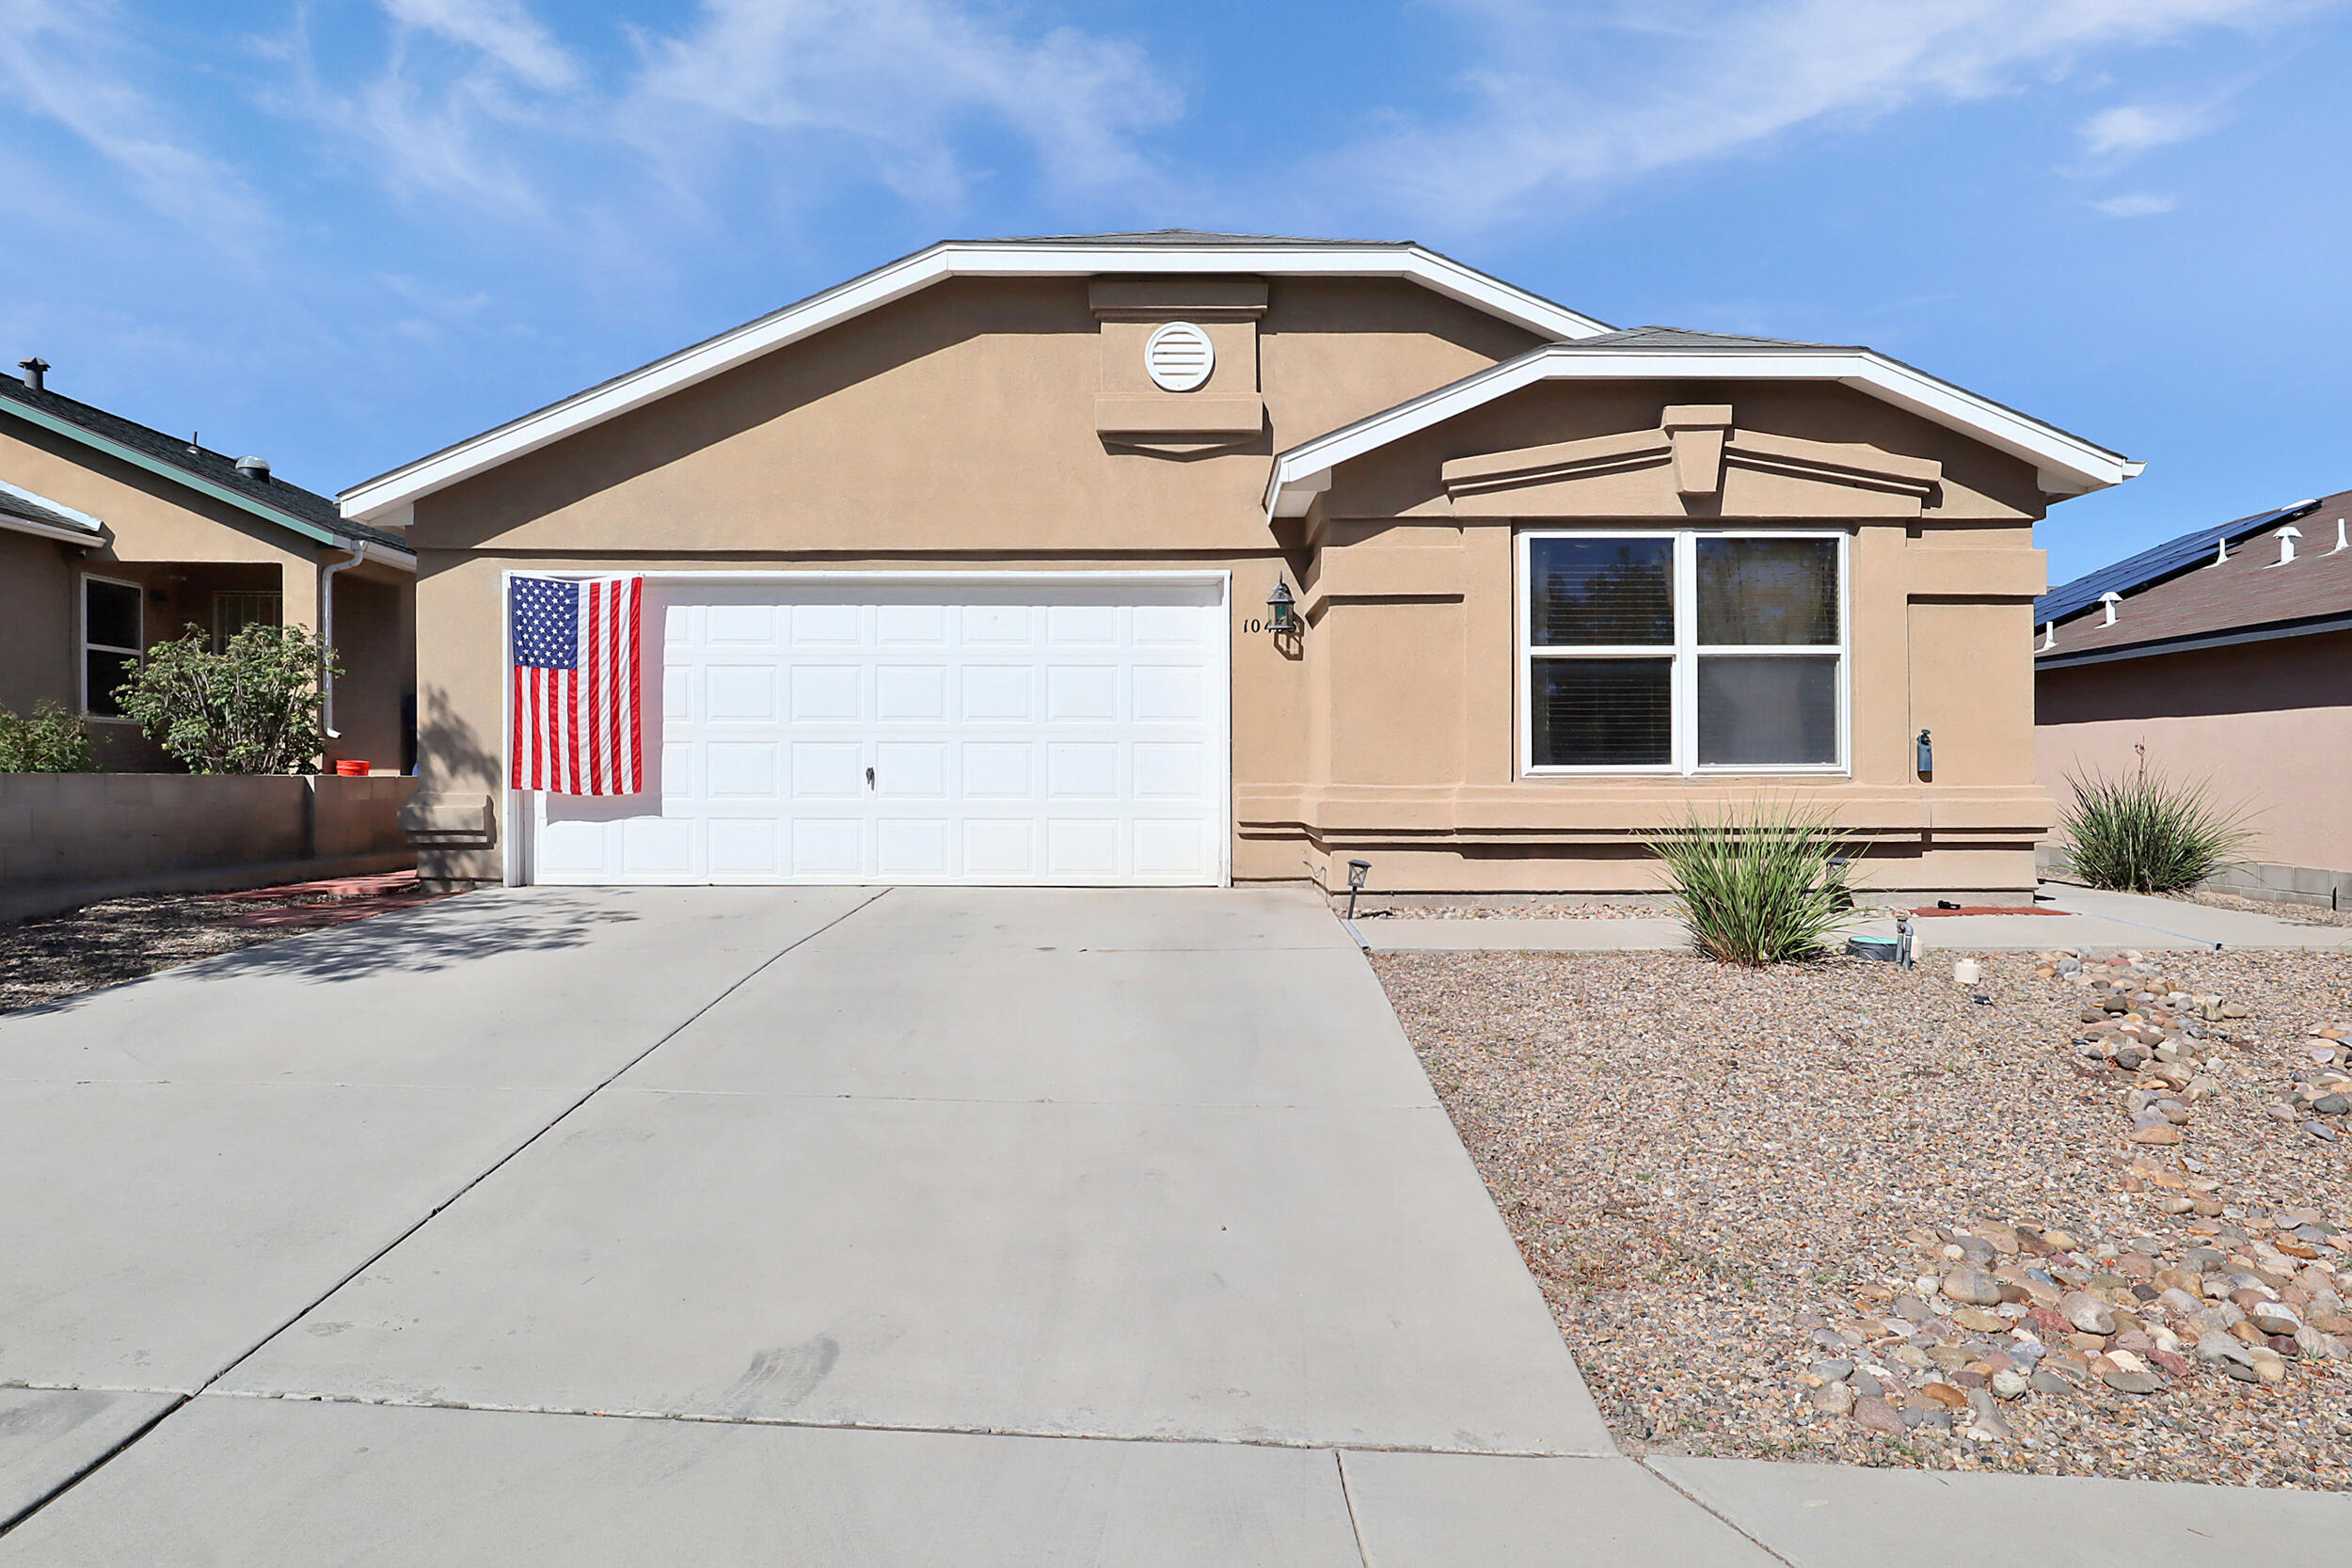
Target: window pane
pixel 106 672
pixel 1598 592
pixel 1603 712
pixel 1767 710
pixel 1767 590
pixel 111 614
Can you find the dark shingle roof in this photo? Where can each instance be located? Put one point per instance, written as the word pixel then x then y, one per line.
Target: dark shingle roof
pixel 2158 562
pixel 174 452
pixel 2204 596
pixel 16 503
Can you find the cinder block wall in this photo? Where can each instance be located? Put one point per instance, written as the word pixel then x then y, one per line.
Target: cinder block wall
pixel 64 828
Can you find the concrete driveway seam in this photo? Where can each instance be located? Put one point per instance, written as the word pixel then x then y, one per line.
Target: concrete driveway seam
pixel 1057 1434
pixel 1348 1497
pixel 476 1180
pixel 1697 1502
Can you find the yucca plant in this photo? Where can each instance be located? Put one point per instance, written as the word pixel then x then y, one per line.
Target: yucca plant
pixel 2140 832
pixel 1762 887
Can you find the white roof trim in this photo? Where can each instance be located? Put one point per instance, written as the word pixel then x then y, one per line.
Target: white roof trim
pixel 87 530
pixel 2068 464
pixel 375 500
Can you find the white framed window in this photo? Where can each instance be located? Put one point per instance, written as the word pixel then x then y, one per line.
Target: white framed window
pixel 1682 651
pixel 113 635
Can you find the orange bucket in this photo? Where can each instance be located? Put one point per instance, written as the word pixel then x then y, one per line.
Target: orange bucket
pixel 350 768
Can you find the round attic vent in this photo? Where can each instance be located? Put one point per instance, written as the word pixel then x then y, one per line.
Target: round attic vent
pixel 1179 356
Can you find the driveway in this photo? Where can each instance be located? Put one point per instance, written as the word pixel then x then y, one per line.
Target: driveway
pixel 779 1226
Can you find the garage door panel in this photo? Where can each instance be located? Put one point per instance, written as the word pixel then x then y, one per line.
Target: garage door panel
pixel 1081 693
pixel 1168 694
pixel 912 846
pixel 1016 731
pixel 744 848
pixel 1173 847
pixel 1076 846
pixel 828 771
pixel 999 770
pixel 828 847
pixel 911 693
pixel 1006 851
pixel 911 769
pixel 825 694
pixel 740 769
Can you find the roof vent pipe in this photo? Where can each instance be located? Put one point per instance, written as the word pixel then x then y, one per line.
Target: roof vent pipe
pixel 2287 537
pixel 2221 554
pixel 2110 600
pixel 254 468
pixel 2340 542
pixel 34 369
pixel 2049 637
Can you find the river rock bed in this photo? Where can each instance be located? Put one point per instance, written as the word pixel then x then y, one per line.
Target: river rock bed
pixel 2047 1215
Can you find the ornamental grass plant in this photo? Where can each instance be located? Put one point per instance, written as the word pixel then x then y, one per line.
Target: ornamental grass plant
pixel 2140 832
pixel 1763 886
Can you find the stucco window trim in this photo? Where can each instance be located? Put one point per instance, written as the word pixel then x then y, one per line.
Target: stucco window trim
pixel 84 647
pixel 1682 656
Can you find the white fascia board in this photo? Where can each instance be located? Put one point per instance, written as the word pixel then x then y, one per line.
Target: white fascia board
pixel 83 537
pixel 380 499
pixel 82 519
pixel 2068 464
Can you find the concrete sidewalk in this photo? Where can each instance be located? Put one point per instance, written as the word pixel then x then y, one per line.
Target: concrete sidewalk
pixel 2083 919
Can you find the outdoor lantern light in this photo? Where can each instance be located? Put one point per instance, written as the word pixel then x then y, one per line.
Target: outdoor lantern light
pixel 1927 753
pixel 1357 872
pixel 1282 620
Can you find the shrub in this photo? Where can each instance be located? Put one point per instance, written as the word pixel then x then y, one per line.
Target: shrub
pixel 2139 832
pixel 50 741
pixel 1759 888
pixel 253 707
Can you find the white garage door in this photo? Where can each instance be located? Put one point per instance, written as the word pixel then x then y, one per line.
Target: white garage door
pixel 980 731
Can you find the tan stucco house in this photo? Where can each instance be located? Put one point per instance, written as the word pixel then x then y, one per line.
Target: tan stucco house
pixel 2221 658
pixel 1180 558
pixel 115 536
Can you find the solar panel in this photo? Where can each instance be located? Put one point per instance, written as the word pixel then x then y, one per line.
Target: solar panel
pixel 2137 571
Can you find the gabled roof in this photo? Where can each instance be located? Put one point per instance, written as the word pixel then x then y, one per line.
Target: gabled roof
pixel 23 510
pixel 2208 599
pixel 389 495
pixel 215 474
pixel 2068 464
pixel 2158 562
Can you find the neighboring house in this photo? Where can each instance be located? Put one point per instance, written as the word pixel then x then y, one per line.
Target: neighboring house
pixel 115 537
pixel 2222 656
pixel 976 568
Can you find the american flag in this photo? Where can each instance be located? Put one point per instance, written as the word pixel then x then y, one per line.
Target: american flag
pixel 574 645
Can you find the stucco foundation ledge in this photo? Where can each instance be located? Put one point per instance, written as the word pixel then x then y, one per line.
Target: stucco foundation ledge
pixel 1613 811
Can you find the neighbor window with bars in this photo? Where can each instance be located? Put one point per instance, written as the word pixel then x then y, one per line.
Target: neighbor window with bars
pixel 1682 652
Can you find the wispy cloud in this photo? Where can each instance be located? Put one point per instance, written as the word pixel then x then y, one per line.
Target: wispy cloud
pixel 2130 128
pixel 1709 78
pixel 908 82
pixel 2134 204
pixel 501 30
pixel 70 64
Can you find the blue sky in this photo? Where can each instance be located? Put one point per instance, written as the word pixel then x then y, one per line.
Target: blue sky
pixel 340 234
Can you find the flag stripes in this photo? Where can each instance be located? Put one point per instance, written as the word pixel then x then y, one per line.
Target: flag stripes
pixel 575 652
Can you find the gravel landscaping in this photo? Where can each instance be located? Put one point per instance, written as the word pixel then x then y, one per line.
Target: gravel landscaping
pixel 123 938
pixel 2078 1215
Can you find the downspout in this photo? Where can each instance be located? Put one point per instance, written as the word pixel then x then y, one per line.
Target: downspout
pixel 326 641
